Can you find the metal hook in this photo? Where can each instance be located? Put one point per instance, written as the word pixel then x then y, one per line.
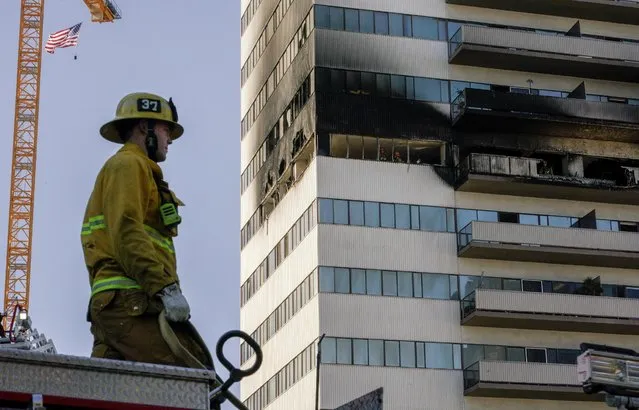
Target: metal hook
pixel 220 393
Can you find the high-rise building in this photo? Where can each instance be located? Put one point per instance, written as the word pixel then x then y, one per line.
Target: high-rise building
pixel 445 189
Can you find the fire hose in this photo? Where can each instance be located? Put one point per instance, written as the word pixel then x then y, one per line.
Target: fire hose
pixel 220 391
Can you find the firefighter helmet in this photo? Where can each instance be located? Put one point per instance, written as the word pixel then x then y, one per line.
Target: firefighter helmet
pixel 142 106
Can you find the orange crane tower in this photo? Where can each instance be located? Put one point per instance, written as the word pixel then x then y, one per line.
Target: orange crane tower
pixel 25 139
pixel 23 164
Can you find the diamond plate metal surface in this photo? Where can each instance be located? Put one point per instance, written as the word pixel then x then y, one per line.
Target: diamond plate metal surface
pixel 101 379
pixel 371 401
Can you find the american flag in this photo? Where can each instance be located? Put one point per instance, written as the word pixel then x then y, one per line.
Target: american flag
pixel 63 38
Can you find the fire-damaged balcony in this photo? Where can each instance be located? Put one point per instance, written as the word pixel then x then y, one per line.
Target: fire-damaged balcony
pixel 624 12
pixel 522 50
pixel 548 244
pixel 550 311
pixel 302 153
pixel 475 110
pixel 524 380
pixel 572 177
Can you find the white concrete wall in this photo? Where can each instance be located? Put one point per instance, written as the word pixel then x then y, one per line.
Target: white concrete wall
pixel 404 389
pixel 300 331
pixel 290 208
pixel 301 396
pixel 381 181
pixel 286 278
pixel 274 49
pixel 391 249
pixel 389 317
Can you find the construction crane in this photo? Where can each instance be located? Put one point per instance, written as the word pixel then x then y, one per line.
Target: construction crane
pixel 103 11
pixel 25 140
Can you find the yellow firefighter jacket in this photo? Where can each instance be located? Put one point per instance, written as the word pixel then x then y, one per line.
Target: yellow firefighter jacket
pixel 125 243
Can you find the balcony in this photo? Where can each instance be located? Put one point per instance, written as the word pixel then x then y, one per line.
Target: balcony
pixel 550 311
pixel 546 244
pixel 476 110
pixel 525 380
pixel 623 12
pixel 520 176
pixel 522 50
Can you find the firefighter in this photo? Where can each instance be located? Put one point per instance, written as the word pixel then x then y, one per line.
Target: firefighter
pixel 127 236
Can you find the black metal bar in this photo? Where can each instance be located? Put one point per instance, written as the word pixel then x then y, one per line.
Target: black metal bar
pixel 317 374
pixel 218 395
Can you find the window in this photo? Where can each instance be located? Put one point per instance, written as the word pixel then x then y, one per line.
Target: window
pixel 390 283
pixel 407 354
pixel 536 355
pixel 402 216
pixel 432 219
pixel 559 221
pixel 342 280
pixel 439 355
pixel 410 88
pixel 414 217
pixel 563 356
pixel 368 83
pixel 338 81
pixel 326 211
pixel 381 22
pixel 457 356
pixel 515 354
pixel 329 350
pixel 454 290
pixel 366 21
pixel 417 284
pixel 405 284
pixel 327 279
pixel 531 285
pixel 512 284
pixel 396 25
pixel 494 353
pixel 391 353
pixel 376 352
pixel 344 352
pixel 408 26
pixel 360 351
pixel 373 282
pixel 398 86
pixel 371 214
pixel 435 286
pixel 358 281
pixel 420 355
pixel 425 28
pixel 427 89
pixel 336 18
pixel 383 85
pixel 465 216
pixel 340 211
pixel 351 20
pixel 387 215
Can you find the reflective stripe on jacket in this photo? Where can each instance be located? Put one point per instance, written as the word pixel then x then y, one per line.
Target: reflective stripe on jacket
pixel 123 236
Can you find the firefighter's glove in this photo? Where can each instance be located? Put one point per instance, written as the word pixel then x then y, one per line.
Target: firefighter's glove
pixel 175 305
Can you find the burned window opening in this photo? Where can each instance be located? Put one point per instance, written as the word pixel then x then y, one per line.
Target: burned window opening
pixel 398 150
pixel 607 169
pixel 288 116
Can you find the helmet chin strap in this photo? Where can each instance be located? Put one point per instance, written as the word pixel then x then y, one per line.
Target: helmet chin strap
pixel 151 141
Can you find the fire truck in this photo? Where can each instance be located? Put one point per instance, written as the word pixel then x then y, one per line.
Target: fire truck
pixel 34 376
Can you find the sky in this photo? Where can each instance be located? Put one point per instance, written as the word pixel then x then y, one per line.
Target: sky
pixel 188 52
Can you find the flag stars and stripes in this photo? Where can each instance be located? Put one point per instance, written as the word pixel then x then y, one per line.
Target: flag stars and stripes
pixel 67 37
